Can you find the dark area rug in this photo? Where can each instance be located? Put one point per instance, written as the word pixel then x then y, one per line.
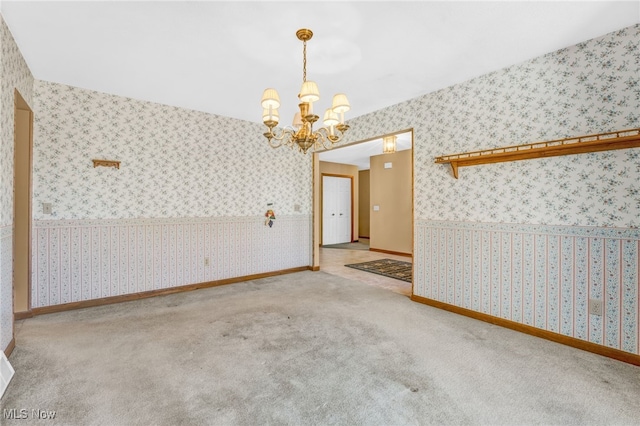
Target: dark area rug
pixel 348 246
pixel 387 267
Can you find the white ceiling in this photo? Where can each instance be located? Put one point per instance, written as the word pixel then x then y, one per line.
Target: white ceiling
pixel 218 56
pixel 358 154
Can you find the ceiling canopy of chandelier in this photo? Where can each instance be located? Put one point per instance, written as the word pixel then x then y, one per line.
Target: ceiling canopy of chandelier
pixel 301 133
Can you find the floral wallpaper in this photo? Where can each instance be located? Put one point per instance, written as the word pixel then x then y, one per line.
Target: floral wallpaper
pixel 592 87
pixel 174 162
pixel 14 74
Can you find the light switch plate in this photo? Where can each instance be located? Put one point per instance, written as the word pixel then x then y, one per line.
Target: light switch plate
pixel 388 165
pixel 376 208
pixel 46 208
pixel 595 307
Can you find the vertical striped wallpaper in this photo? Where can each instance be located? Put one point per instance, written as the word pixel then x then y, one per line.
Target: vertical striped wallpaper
pixel 83 260
pixel 542 276
pixel 6 286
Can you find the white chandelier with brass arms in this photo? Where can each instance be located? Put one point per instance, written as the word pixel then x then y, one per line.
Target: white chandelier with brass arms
pixel 302 133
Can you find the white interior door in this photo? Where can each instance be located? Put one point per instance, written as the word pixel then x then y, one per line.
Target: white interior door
pixel 336 210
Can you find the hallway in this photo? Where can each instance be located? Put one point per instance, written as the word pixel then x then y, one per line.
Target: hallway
pixel 332 261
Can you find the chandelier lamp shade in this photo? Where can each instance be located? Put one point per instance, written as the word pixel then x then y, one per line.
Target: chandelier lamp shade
pixel 389 144
pixel 302 133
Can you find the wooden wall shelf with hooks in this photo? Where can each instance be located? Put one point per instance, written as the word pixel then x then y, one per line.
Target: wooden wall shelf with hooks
pixel 106 163
pixel 622 139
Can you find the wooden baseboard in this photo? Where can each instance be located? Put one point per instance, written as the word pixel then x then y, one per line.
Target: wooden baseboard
pixel 527 329
pixel 159 292
pixel 22 315
pixel 10 347
pixel 314 268
pixel 397 253
pixel 362 236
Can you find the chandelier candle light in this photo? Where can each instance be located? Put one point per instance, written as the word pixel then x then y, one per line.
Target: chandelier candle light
pixel 302 133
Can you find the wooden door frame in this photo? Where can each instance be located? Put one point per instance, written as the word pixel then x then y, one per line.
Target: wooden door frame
pixel 322 175
pixel 317 194
pixel 22 105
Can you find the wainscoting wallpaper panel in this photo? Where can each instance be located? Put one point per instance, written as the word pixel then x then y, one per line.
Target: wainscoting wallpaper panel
pixel 6 289
pixel 536 275
pixel 174 162
pixel 81 260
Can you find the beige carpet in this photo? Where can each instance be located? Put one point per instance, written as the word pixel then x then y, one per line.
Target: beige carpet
pixel 306 348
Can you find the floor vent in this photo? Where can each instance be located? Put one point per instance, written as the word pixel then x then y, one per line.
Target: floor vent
pixel 6 373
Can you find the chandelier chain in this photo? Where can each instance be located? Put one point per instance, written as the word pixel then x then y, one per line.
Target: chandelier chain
pixel 304 61
pixel 302 133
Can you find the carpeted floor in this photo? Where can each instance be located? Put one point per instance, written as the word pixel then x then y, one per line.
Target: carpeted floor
pixel 387 267
pixel 300 349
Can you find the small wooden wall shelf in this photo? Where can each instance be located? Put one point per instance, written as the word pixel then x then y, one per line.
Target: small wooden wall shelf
pixel 106 163
pixel 622 139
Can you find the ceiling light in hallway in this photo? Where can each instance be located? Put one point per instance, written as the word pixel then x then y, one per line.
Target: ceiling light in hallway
pixel 389 144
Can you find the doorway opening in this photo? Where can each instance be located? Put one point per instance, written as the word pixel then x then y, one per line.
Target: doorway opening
pixel 381 204
pixel 23 149
pixel 337 209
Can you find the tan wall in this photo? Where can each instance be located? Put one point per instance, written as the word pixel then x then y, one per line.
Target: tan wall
pixel 391 190
pixel 22 215
pixel 363 204
pixel 343 170
pixel 317 212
